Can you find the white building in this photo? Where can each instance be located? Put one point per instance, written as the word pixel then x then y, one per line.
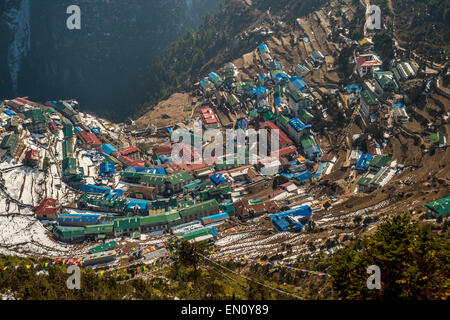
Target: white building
pixel 366 63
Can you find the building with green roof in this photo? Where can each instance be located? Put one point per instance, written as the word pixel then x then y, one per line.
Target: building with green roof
pixel 68 131
pixel 269 116
pixel 304 115
pixel 102 204
pixel 104 247
pixel 69 234
pixel 50 110
pixel 10 143
pixel 438 208
pixel 97 229
pixel 253 114
pixel 12 124
pixel 299 100
pixel 369 104
pixel 215 193
pixel 161 182
pixel 199 210
pixel 385 83
pixel 364 183
pixel 67 149
pixel 38 121
pixel 160 222
pixel 379 161
pixel 35 114
pixel 283 121
pixel 126 226
pixel 205 234
pixel 228 208
pixel 69 167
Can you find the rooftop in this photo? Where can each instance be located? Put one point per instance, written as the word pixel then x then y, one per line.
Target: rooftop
pixel 441 206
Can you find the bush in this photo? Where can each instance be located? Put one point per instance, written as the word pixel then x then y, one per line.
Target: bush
pixel 414 263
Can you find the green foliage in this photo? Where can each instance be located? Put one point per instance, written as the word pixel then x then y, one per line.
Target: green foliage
pixel 331 103
pixel 343 60
pixel 414 264
pixel 192 54
pixel 383 43
pixel 180 62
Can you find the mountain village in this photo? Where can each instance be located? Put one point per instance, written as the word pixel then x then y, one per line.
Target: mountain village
pixel 76 186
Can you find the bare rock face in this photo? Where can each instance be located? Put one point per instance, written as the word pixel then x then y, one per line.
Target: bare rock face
pixel 99 63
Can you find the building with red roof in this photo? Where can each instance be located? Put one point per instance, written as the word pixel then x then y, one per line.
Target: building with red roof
pixel 31 158
pixel 130 162
pixel 88 139
pixel 18 103
pixel 52 126
pixel 131 152
pixel 284 140
pixel 288 151
pixel 162 150
pixel 209 118
pixel 366 63
pixel 47 210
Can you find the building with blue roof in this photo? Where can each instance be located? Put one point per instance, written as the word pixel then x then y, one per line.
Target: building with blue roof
pixel 206 84
pixel 263 78
pixel 108 149
pixel 261 92
pixel 281 77
pixel 78 220
pixel 354 88
pixel 296 129
pixel 399 113
pixel 298 125
pixel 279 101
pixel 152 170
pixel 320 170
pixel 297 83
pixel 93 189
pixel 213 75
pixel 107 169
pixel 303 176
pixel 242 124
pixel 215 78
pixel 215 218
pixel 114 194
pixel 291 220
pixel 138 206
pixel 300 70
pixel 9 112
pixel 218 178
pixel 398 105
pixel 263 48
pixel 363 163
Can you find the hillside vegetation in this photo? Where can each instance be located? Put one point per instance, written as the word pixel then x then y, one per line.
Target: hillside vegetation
pixel 414 263
pixel 218 40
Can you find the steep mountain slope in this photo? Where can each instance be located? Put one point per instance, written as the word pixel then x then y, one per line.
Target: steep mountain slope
pixel 99 63
pixel 227 34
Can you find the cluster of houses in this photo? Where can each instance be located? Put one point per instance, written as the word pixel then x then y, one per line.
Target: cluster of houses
pixel 155 195
pixel 381 86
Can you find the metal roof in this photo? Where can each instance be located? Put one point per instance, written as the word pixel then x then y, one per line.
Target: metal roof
pixel 298 125
pixel 441 206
